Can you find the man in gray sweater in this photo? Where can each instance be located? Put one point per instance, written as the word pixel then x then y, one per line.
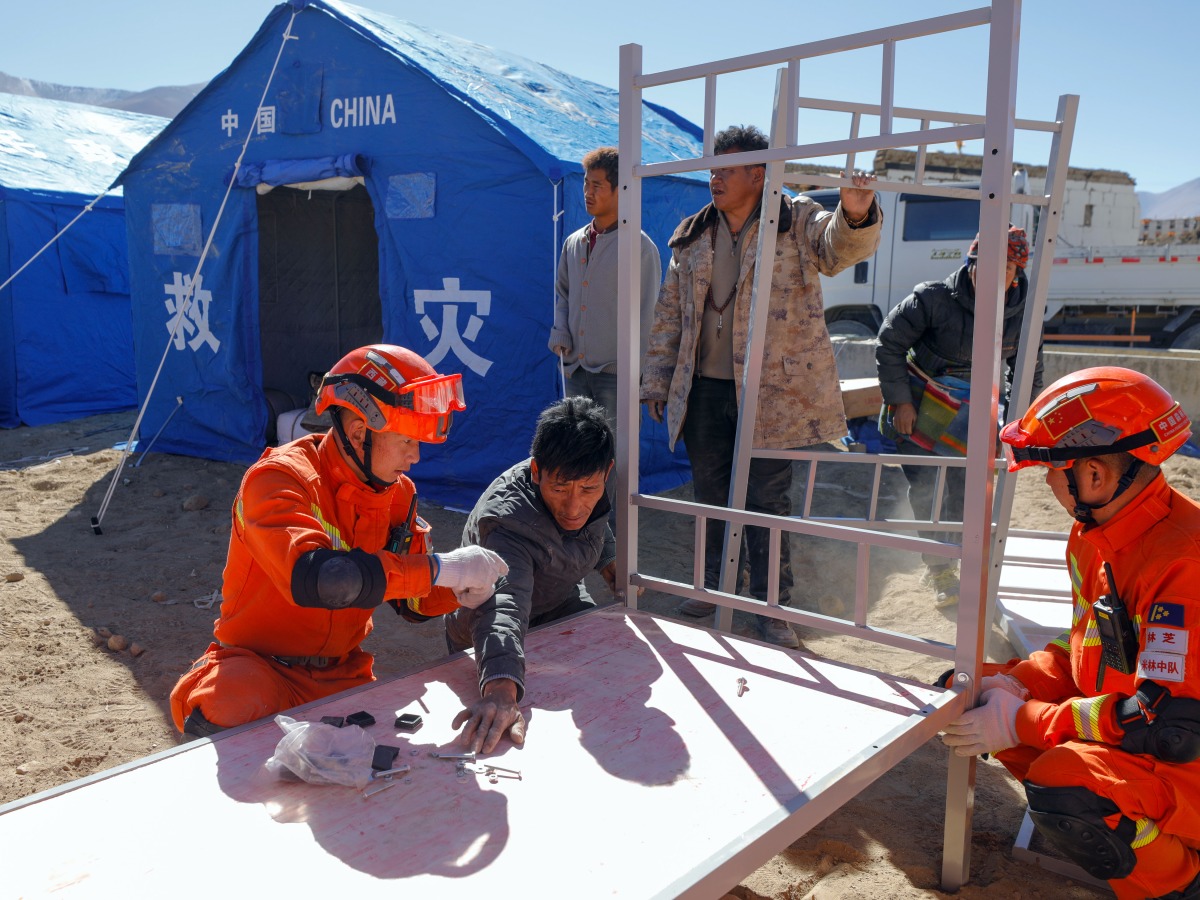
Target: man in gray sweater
pixel 548 518
pixel 584 335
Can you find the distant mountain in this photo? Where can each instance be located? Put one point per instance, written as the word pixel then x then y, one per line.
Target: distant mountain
pixel 156 101
pixel 1182 202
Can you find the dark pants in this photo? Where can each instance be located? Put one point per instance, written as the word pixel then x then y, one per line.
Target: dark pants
pixel 710 432
pixel 602 388
pixel 599 386
pixel 922 484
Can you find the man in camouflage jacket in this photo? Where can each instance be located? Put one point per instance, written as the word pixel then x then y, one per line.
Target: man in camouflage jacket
pixel 694 364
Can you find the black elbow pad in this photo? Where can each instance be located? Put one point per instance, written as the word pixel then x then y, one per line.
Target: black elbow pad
pixel 337 579
pixel 1160 725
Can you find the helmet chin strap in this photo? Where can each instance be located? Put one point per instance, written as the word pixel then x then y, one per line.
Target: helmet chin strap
pixel 1083 511
pixel 363 462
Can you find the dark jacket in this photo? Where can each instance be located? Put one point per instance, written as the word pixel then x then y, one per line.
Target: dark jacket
pixel 936 322
pixel 546 567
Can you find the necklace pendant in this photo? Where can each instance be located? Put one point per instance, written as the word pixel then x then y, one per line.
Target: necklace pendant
pixel 720 322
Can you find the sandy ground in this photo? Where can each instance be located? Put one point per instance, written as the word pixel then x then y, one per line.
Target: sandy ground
pixel 70 705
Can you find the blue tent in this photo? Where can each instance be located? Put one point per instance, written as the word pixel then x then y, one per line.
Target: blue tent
pixel 66 334
pixel 402 185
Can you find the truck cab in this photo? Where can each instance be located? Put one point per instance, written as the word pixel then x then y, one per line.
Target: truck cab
pixel 1142 295
pixel 924 238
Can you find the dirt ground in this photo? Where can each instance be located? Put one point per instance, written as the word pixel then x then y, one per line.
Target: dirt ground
pixel 71 704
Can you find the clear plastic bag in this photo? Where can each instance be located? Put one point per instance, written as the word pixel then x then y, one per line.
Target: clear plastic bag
pixel 321 754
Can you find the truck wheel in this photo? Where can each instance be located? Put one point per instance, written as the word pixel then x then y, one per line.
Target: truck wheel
pixel 1189 339
pixel 851 328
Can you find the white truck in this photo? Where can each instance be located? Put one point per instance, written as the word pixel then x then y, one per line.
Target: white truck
pixel 1146 296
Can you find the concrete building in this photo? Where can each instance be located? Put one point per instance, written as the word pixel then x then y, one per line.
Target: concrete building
pixel 1170 231
pixel 1100 207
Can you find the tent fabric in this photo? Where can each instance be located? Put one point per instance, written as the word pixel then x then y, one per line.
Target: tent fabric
pixel 470 159
pixel 66 331
pixel 295 171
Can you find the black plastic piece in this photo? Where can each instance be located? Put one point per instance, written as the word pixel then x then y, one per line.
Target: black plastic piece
pixel 384 757
pixel 335 721
pixel 361 718
pixel 1118 636
pixel 408 721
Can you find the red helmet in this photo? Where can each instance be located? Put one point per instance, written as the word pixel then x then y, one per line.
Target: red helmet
pixel 1094 412
pixel 393 389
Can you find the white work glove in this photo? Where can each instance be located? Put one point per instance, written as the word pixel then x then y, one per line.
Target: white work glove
pixel 988 728
pixel 1009 683
pixel 470 572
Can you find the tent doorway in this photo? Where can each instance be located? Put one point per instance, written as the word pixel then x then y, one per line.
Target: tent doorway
pixel 318 283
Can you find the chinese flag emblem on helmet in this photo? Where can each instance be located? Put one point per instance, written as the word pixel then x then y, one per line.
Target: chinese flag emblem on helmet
pixel 1095 412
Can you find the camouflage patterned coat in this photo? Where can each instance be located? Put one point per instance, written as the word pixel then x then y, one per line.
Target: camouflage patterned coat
pixel 800 402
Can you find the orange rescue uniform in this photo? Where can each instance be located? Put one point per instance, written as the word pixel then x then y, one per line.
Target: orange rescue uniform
pixel 271 654
pixel 1069 733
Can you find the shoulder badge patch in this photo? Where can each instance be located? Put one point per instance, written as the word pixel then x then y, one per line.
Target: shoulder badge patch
pixel 1166 614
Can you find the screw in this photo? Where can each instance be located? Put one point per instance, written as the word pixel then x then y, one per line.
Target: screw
pixel 741 686
pixel 491 770
pixel 377 789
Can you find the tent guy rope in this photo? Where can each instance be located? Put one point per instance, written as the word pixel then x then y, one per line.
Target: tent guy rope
pixel 190 290
pixel 50 243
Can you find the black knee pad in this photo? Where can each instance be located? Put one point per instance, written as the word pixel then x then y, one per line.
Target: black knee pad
pixel 1072 820
pixel 198 726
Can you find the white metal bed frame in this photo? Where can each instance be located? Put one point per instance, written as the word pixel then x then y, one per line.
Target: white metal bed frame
pixel 989 493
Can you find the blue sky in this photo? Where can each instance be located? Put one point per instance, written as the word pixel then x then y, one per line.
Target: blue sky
pixel 1129 62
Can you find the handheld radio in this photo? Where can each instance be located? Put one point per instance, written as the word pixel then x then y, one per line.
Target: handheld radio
pixel 400 537
pixel 1118 636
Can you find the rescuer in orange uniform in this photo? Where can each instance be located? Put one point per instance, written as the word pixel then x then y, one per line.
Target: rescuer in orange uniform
pixel 1103 726
pixel 324 531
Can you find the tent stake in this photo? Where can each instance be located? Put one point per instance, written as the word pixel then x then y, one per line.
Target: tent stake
pixel 178 406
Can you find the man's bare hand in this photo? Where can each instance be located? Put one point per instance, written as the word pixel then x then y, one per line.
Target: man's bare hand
pixel 490 717
pixel 609 573
pixel 904 418
pixel 656 407
pixel 857 200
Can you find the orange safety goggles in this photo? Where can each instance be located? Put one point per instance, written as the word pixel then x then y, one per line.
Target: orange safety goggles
pixel 422 409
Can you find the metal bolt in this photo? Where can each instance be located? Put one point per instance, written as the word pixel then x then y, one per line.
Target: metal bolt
pixel 390 772
pixel 741 686
pixel 377 789
pixel 470 754
pixel 962 678
pixel 491 770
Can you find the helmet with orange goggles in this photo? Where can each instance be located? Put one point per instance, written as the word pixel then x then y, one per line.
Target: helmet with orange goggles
pixel 1095 412
pixel 393 389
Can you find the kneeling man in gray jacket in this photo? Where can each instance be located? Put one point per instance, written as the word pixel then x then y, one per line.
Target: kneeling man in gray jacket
pixel 548 518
